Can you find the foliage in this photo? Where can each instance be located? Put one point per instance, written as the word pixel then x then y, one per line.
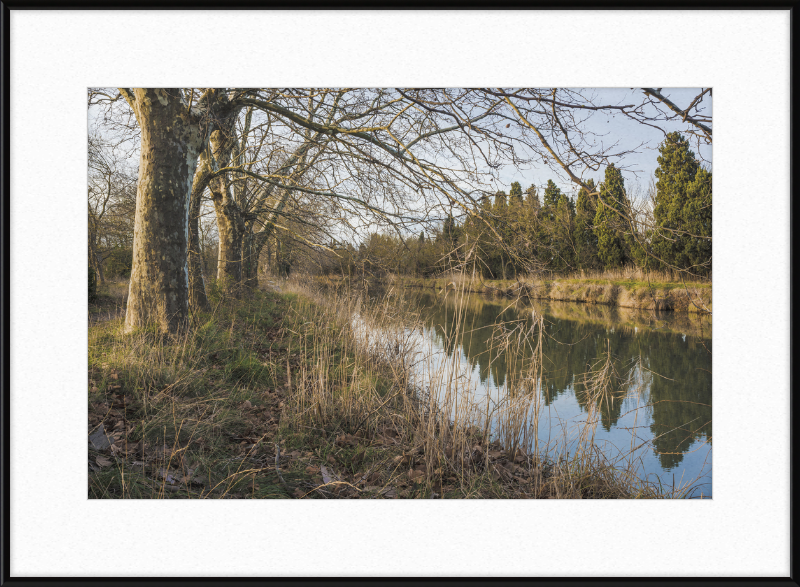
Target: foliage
pixel 586 245
pixel 515 234
pixel 119 262
pixel 682 214
pixel 515 195
pixel 609 220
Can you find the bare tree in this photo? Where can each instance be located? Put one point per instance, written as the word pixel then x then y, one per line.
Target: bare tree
pixel 339 160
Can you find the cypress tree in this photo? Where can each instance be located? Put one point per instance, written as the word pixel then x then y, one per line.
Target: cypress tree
pixel 498 258
pixel 551 195
pixel 532 199
pixel 516 194
pixel 683 207
pixel 609 222
pixel 585 238
pixel 563 229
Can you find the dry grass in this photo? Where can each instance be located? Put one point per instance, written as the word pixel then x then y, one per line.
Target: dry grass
pixel 638 275
pixel 628 288
pixel 398 393
pixel 312 394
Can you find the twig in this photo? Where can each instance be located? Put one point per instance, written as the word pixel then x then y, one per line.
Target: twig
pixel 278 471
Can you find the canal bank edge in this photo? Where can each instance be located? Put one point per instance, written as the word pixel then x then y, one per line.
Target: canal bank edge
pixel 675 297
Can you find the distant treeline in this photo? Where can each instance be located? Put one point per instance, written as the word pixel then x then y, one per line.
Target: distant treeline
pixel 525 232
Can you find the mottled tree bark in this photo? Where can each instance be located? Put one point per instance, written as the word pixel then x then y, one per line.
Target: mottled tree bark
pixel 230 223
pixel 197 284
pixel 171 140
pixel 231 231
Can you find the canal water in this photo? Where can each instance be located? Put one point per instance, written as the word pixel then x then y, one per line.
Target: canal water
pixel 655 407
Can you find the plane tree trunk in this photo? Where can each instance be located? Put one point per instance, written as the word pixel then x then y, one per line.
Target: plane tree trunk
pixel 230 223
pixel 198 299
pixel 172 137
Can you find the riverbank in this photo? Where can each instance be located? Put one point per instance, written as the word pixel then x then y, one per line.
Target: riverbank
pixel 624 293
pixel 279 396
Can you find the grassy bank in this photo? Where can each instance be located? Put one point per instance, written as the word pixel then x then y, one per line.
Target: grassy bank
pixel 284 395
pixel 633 289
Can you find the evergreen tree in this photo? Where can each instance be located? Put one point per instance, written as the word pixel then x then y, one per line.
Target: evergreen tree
pixel 683 207
pixel 498 257
pixel 554 231
pixel 551 195
pixel 609 220
pixel 481 236
pixel 563 227
pixel 451 234
pixel 532 199
pixel 584 236
pixel 516 194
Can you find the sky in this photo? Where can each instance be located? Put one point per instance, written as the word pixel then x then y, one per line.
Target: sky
pixel 609 128
pixel 629 134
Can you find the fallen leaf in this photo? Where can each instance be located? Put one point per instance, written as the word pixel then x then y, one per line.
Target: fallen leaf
pixel 103 461
pixel 331 460
pixel 414 475
pixel 312 470
pixel 326 476
pixel 247 405
pixel 298 492
pixel 99 440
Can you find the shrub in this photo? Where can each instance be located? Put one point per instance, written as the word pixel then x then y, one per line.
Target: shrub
pixel 92 285
pixel 119 262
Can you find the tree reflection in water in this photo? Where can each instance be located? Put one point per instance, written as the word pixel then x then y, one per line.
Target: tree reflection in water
pixel 665 357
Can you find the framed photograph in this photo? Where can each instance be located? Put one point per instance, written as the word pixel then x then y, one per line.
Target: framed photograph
pixel 372 287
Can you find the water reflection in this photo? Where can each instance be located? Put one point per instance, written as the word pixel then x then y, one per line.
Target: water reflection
pixel 660 363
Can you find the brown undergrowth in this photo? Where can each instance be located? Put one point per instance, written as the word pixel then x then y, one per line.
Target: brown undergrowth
pixel 633 288
pixel 311 395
